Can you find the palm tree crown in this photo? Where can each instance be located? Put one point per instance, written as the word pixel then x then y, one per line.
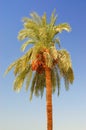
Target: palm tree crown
pixel 31 66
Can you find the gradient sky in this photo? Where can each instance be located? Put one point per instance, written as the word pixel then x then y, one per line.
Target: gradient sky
pixel 69 109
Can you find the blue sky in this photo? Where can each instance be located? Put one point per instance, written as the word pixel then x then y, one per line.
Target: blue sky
pixel 69 109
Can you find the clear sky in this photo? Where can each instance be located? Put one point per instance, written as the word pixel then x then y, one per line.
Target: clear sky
pixel 69 109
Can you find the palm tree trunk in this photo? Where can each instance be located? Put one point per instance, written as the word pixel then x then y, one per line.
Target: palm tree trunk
pixel 49 99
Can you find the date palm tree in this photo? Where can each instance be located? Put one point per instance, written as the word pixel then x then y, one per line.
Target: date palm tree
pixel 42 66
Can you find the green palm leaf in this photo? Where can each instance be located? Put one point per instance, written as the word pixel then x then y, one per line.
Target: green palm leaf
pixel 20 79
pixel 36 18
pixel 53 19
pixel 53 80
pixel 30 41
pixel 58 78
pixel 61 27
pixel 57 40
pixel 65 66
pixel 11 66
pixel 33 86
pixel 64 60
pixel 28 78
pixel 44 20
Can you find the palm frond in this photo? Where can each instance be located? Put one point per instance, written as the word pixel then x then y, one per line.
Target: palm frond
pixel 19 80
pixel 22 34
pixel 42 35
pixel 32 86
pixel 44 20
pixel 36 91
pixel 10 67
pixel 61 27
pixel 36 18
pixel 27 33
pixel 31 25
pixel 17 67
pixel 64 60
pixel 53 18
pixel 53 52
pixel 35 51
pixel 58 78
pixel 21 63
pixel 53 80
pixel 66 82
pixel 70 75
pixel 30 41
pixel 57 40
pixel 28 78
pixel 65 66
pixel 68 78
pixel 48 59
pixel 26 19
pixel 40 84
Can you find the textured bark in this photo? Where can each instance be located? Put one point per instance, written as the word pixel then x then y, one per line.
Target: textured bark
pixel 49 99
